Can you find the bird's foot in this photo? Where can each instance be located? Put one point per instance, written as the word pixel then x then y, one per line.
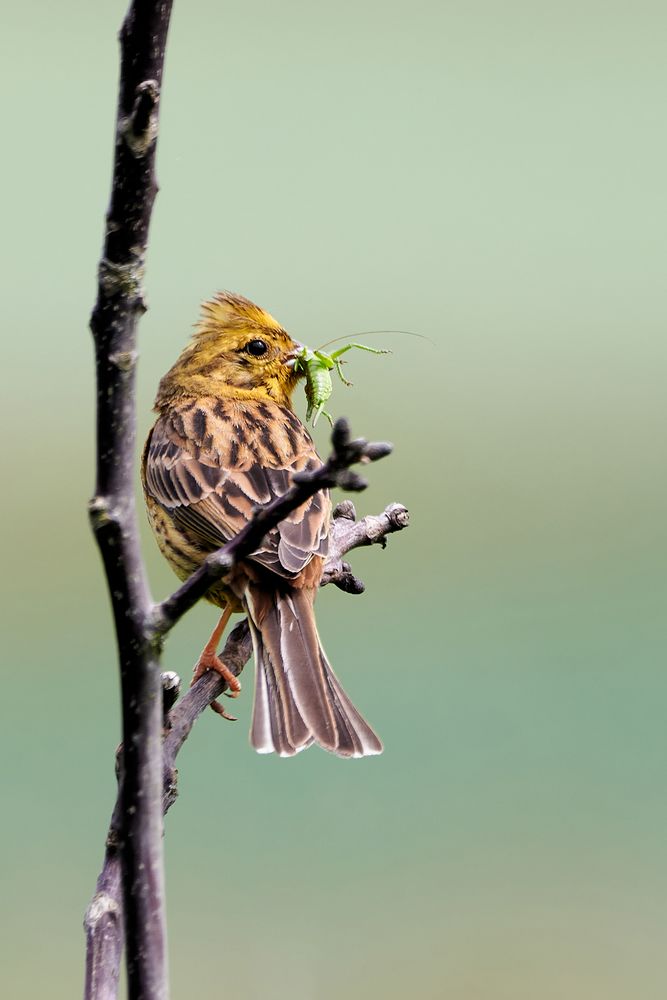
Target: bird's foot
pixel 210 661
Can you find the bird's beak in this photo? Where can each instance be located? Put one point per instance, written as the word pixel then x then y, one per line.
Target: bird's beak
pixel 293 354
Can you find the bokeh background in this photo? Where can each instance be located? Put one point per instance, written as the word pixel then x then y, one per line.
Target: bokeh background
pixel 490 175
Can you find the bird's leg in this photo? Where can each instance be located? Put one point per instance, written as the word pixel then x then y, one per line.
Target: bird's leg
pixel 209 660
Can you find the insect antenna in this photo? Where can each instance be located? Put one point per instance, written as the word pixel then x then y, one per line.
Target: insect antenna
pixel 372 333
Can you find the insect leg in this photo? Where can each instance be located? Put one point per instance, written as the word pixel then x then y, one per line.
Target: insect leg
pixel 337 366
pixel 362 347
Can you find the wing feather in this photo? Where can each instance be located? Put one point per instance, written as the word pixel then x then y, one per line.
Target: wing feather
pixel 209 465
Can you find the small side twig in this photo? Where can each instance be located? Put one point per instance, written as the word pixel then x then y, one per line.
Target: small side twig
pixel 103 926
pixel 347 533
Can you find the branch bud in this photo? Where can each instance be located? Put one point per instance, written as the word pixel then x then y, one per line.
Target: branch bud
pixel 345 509
pixel 352 481
pixel 376 450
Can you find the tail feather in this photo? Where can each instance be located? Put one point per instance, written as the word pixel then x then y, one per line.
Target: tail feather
pixel 356 738
pixel 298 698
pixel 276 723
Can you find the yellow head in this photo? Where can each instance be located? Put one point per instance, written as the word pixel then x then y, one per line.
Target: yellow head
pixel 238 351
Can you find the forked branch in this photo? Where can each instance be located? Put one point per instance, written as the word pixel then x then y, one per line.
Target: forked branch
pixel 104 932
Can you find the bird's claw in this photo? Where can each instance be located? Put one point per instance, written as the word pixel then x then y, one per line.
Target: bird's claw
pixel 208 661
pixel 221 710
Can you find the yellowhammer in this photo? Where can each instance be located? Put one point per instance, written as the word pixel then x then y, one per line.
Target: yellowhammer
pixel 227 440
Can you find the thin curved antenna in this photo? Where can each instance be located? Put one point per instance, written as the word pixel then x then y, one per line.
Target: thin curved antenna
pixel 370 333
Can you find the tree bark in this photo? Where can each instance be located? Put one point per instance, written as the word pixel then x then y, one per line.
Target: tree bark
pixel 119 305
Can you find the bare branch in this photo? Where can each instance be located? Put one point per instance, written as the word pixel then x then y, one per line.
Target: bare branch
pixel 347 533
pixel 119 305
pixel 103 924
pixel 334 472
pixel 171 689
pixel 104 935
pixel 236 653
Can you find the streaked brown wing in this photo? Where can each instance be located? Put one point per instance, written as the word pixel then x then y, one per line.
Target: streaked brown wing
pixel 209 463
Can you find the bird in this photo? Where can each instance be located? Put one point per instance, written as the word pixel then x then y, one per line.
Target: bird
pixel 226 441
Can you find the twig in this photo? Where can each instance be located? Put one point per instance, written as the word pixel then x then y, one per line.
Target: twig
pixel 334 472
pixel 103 924
pixel 119 305
pixel 103 921
pixel 347 533
pixel 183 716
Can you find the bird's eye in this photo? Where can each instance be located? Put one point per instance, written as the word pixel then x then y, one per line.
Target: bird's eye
pixel 256 348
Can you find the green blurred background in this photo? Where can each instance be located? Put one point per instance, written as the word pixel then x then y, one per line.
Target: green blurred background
pixel 491 175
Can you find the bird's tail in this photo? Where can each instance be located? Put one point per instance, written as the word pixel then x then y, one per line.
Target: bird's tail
pixel 298 698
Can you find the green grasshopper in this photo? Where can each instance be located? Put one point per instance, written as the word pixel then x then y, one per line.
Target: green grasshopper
pixel 316 367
